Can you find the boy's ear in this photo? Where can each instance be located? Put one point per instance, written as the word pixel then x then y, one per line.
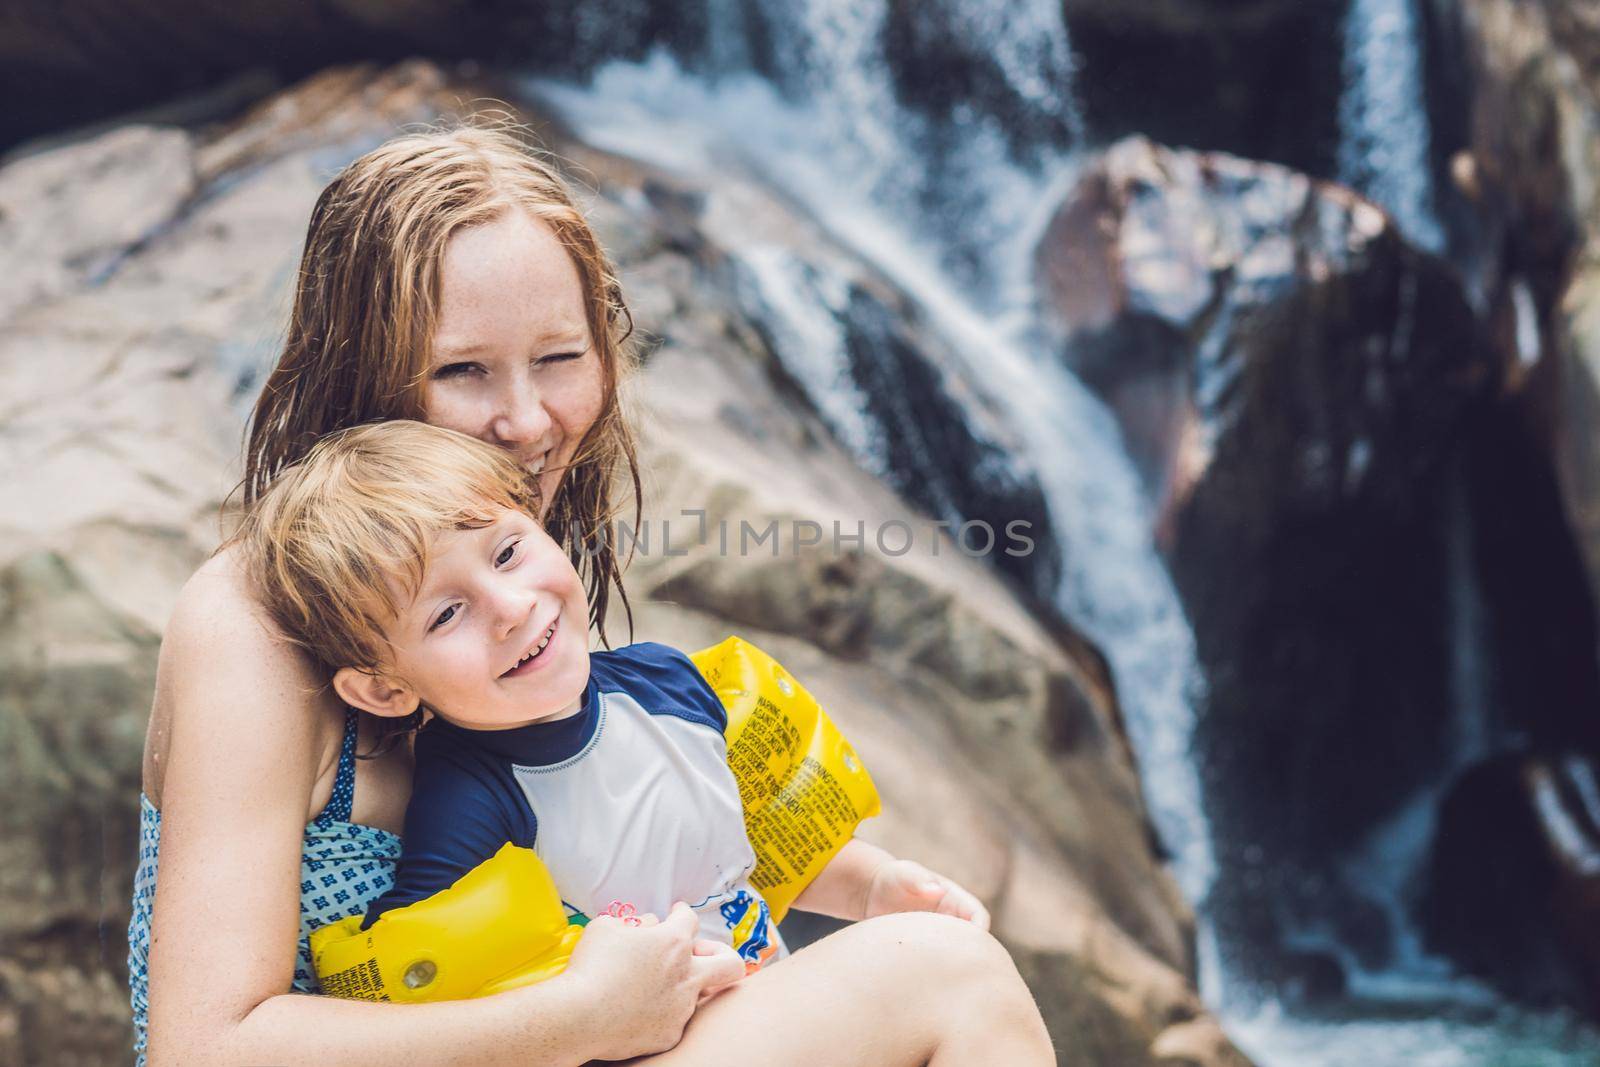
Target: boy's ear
pixel 376 693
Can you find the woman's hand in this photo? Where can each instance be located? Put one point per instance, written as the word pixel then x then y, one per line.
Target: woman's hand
pixel 643 983
pixel 902 885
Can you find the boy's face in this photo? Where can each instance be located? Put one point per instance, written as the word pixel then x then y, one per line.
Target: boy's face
pixel 498 635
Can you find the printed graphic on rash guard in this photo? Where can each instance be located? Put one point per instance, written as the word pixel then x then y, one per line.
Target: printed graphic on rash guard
pixel 750 923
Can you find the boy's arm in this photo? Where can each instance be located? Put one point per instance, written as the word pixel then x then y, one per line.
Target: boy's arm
pixel 463 809
pixel 863 881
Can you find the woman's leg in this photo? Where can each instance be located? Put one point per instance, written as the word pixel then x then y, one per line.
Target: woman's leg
pixel 908 989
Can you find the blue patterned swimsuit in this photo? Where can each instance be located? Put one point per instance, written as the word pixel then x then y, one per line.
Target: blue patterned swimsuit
pixel 344 866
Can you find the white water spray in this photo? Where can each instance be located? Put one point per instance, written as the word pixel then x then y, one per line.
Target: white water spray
pixel 1383 118
pixel 1113 584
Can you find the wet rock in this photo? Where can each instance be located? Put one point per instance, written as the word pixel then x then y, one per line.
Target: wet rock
pixel 944 447
pixel 1533 71
pixel 1259 78
pixel 1513 880
pixel 68 217
pixel 1534 666
pixel 1293 380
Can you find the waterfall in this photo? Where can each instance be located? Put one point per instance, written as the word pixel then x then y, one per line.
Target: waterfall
pixel 944 199
pixel 1383 117
pixel 833 146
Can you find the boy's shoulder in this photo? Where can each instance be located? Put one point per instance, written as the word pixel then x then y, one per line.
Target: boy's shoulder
pixel 660 679
pixel 641 657
pixel 449 759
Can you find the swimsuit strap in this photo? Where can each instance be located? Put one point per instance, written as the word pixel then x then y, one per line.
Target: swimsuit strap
pixel 344 780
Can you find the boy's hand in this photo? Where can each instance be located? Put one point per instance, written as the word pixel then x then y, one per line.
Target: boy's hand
pixel 903 885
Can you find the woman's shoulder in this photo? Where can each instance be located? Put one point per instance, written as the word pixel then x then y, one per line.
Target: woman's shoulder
pixel 218 591
pixel 219 606
pixel 228 675
pixel 219 620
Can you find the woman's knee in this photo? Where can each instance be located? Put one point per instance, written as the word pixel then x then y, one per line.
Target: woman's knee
pixel 965 978
pixel 929 946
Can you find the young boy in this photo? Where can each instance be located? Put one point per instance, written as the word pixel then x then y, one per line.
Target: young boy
pixel 409 560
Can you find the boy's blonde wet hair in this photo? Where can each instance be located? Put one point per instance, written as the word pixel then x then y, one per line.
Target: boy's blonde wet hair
pixel 339 543
pixel 360 335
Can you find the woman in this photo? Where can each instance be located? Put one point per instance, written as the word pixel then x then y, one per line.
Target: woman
pixel 449 277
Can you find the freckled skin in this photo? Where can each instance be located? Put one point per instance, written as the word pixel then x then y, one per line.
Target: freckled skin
pixel 487 600
pixel 513 360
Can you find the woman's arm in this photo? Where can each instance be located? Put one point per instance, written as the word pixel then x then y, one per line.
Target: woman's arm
pixel 626 993
pixel 242 720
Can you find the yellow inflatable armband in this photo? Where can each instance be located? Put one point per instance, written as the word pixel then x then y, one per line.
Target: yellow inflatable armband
pixel 500 926
pixel 803 787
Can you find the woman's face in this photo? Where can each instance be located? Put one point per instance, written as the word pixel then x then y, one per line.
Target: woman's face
pixel 513 362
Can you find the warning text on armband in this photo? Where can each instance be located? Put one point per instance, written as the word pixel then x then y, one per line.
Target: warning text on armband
pixel 768 738
pixel 361 982
pixel 792 813
pixel 812 816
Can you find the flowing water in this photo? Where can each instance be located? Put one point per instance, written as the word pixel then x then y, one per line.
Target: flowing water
pixel 1383 121
pixel 946 202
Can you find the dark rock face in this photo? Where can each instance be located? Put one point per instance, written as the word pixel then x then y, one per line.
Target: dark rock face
pixel 1521 120
pixel 1527 119
pixel 1543 691
pixel 938 455
pixel 1259 78
pixel 1312 552
pixel 1296 384
pixel 65 64
pixel 62 64
pixel 1511 114
pixel 1511 890
pixel 1291 376
pixel 1514 877
pixel 1370 541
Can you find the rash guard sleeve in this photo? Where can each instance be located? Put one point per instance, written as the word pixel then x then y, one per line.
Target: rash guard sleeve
pixel 465 805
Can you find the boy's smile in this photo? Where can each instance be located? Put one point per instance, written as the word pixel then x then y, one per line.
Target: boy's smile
pixel 528 662
pixel 495 637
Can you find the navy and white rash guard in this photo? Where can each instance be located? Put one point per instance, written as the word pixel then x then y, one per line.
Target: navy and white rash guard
pixel 630 799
